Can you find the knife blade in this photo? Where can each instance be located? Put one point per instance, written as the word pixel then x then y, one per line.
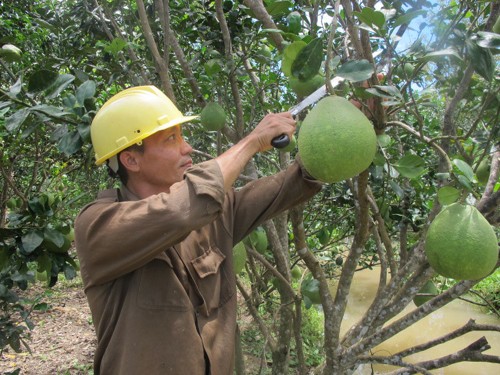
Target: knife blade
pixel 283 140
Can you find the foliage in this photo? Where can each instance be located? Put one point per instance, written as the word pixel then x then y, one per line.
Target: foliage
pixel 435 112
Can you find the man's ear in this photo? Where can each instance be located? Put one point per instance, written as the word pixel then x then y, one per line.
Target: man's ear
pixel 129 160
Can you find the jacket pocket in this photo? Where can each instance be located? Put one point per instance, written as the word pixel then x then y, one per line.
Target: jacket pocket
pixel 208 263
pixel 212 278
pixel 160 288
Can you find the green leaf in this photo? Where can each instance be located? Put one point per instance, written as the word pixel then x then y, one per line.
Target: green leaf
pixel 59 85
pixel 379 159
pixel 289 55
pixel 448 195
pixel 307 63
pixel 410 166
pixel 397 189
pixel 84 131
pixel 356 70
pixel 482 60
pixel 385 91
pixel 44 263
pixel 32 240
pixel 43 306
pixel 437 55
pixel 278 8
pixel 69 272
pixel 384 140
pixel 115 46
pixel 212 66
pixel 41 80
pixel 465 169
pixel 14 122
pixel 408 16
pixel 70 143
pixel 50 110
pixel 85 91
pixel 54 236
pixel 465 182
pixel 4 259
pixel 36 206
pixel 487 40
pixel 371 17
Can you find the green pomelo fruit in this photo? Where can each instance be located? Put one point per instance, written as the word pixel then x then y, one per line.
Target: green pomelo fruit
pixel 10 53
pixel 296 273
pixel 304 88
pixel 323 236
pixel 213 117
pixel 261 242
pixel 71 235
pixel 310 289
pixel 483 172
pixel 426 293
pixel 258 239
pixel 239 257
pixel 404 70
pixel 53 248
pixel 275 282
pixel 336 140
pixel 12 203
pixel 41 276
pixel 291 146
pixel 408 69
pixel 294 22
pixel 461 244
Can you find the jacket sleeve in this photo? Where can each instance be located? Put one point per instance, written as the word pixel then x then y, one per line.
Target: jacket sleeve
pixel 113 238
pixel 266 197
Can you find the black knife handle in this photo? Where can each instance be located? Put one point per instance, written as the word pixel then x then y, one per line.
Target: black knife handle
pixel 280 141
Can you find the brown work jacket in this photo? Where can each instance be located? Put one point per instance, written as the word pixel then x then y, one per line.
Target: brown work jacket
pixel 158 272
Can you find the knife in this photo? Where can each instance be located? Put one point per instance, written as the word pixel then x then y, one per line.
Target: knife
pixel 283 140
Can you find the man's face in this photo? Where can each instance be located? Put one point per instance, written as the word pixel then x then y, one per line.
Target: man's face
pixel 165 158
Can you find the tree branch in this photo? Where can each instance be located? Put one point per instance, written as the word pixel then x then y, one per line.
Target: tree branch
pixel 297 219
pixel 105 13
pixel 471 353
pixel 179 53
pixel 470 326
pixel 232 69
pixel 427 140
pixel 161 66
pixel 255 314
pixel 490 200
pixel 258 8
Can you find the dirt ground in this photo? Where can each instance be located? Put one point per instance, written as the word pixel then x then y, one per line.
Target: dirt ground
pixel 63 340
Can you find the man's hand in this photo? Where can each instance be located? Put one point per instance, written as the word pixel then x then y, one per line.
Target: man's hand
pixel 233 161
pixel 271 126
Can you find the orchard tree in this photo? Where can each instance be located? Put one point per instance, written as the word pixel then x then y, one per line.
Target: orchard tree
pixel 425 74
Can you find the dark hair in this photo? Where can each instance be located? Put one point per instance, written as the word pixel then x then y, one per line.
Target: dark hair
pixel 122 172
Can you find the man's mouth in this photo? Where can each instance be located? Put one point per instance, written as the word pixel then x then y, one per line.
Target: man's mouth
pixel 187 164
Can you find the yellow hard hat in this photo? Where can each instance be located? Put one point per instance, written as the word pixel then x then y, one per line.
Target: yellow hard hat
pixel 129 117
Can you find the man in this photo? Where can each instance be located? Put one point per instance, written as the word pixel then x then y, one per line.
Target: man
pixel 156 254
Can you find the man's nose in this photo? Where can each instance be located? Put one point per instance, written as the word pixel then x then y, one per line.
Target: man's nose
pixel 186 147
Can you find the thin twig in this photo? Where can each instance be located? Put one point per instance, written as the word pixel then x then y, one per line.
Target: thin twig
pixel 425 139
